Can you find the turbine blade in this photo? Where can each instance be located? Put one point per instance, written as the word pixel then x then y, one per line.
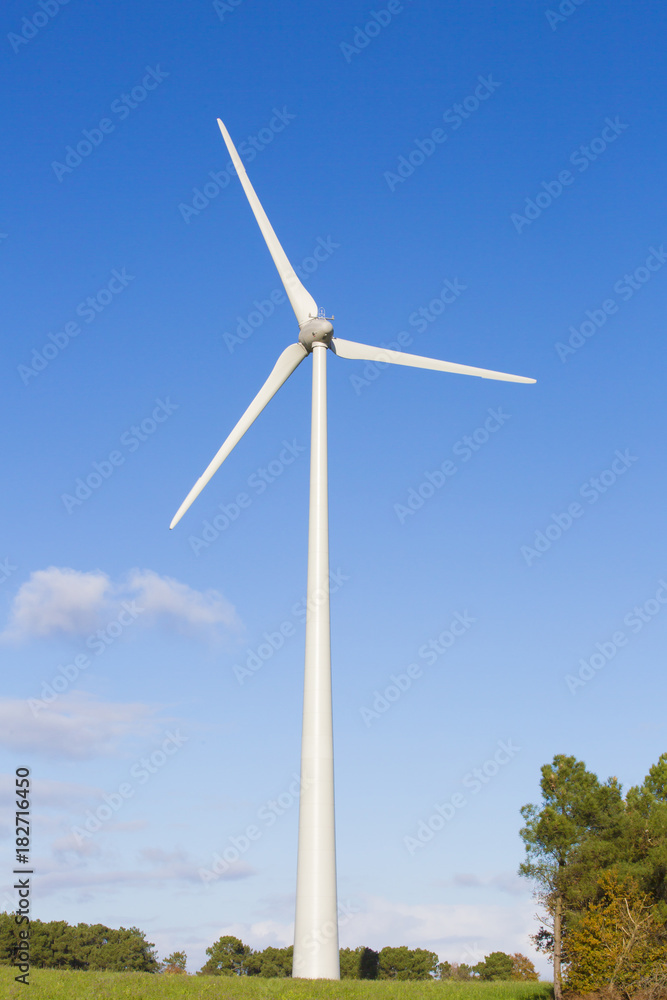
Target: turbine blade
pixel 363 352
pixel 303 303
pixel 288 361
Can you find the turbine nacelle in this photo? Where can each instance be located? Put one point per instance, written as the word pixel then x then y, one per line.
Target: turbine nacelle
pixel 316 331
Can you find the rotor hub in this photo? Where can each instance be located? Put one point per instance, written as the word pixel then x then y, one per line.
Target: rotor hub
pixel 316 331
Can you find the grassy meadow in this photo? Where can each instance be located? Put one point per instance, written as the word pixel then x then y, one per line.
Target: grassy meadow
pixel 46 984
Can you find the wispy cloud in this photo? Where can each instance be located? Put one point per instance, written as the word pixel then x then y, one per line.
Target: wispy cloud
pixel 77 727
pixel 52 794
pixel 171 869
pixel 503 881
pixel 63 601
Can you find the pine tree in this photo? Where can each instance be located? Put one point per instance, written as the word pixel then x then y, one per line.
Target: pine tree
pixel 575 806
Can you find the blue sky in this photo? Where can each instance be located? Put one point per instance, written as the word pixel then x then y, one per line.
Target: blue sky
pixel 483 180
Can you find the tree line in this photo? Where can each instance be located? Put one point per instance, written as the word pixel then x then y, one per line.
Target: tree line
pixel 56 944
pixel 229 956
pixel 598 862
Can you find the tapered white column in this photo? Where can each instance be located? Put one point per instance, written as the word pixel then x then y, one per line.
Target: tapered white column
pixel 316 924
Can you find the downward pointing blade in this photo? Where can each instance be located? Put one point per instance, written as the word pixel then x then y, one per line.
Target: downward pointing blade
pixel 303 303
pixel 288 361
pixel 363 352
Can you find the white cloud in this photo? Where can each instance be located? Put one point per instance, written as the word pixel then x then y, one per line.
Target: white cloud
pixel 64 601
pixel 58 600
pixel 261 934
pixel 77 726
pixel 163 596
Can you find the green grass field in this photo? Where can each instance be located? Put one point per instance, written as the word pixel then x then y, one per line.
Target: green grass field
pixel 52 985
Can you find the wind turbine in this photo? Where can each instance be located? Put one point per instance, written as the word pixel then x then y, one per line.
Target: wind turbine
pixel 316 919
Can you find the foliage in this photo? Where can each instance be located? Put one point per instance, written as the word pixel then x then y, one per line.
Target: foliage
pixel 523 968
pixel 567 838
pixel 359 963
pixel 453 970
pixel 495 966
pixel 228 956
pixel 585 829
pixel 272 963
pixel 57 945
pixel 174 964
pixel 619 942
pixel 407 963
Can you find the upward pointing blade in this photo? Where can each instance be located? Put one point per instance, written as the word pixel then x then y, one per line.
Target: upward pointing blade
pixel 303 303
pixel 288 361
pixel 363 352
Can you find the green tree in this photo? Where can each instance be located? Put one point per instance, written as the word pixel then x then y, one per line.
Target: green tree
pixel 358 963
pixel 272 963
pixel 121 950
pixel 459 971
pixel 495 966
pixel 575 809
pixel 406 963
pixel 228 956
pixel 174 964
pixel 57 945
pixel 641 852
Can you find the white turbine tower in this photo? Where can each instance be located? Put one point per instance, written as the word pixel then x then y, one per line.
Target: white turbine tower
pixel 316 922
